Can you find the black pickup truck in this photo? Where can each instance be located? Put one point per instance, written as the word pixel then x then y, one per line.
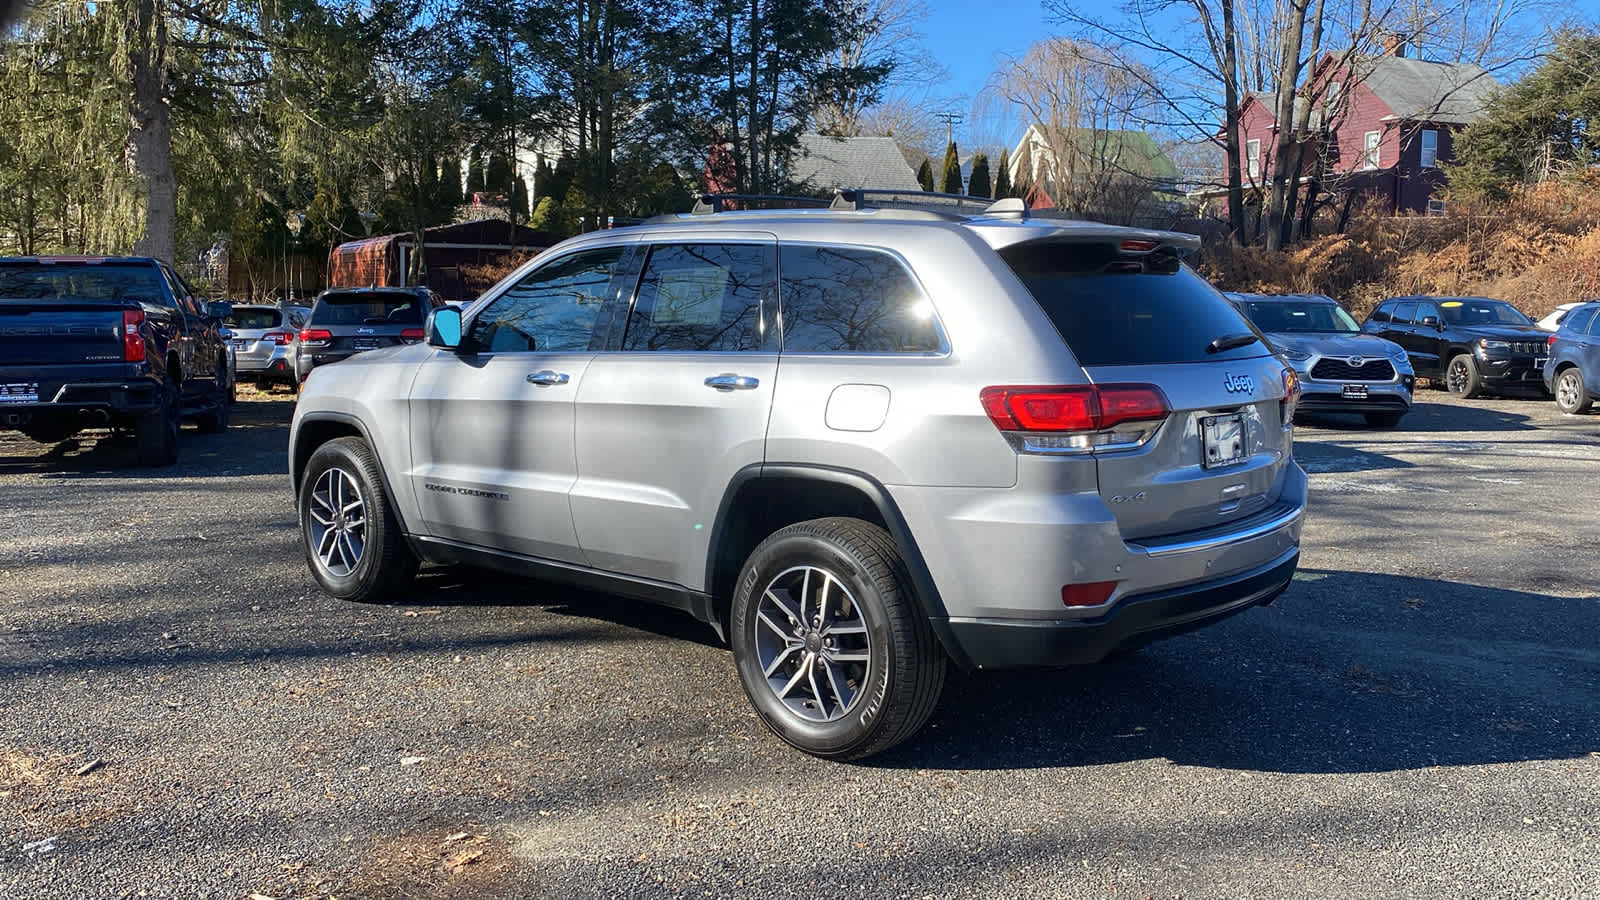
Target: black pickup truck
pixel 1467 345
pixel 119 343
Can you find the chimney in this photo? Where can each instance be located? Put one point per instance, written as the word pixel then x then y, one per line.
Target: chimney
pixel 1394 43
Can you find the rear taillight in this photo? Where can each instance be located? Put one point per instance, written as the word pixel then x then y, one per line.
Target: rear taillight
pixel 1551 341
pixel 1291 397
pixel 280 338
pixel 132 340
pixel 411 335
pixel 309 335
pixel 1072 407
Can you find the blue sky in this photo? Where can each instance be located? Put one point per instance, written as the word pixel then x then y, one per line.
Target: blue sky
pixel 970 38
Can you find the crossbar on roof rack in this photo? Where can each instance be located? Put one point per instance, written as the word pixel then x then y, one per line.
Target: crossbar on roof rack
pixel 705 204
pixel 958 204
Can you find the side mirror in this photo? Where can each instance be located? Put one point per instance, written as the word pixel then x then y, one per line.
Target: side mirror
pixel 1429 322
pixel 444 328
pixel 219 309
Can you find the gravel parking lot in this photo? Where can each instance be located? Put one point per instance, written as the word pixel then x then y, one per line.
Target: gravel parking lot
pixel 184 715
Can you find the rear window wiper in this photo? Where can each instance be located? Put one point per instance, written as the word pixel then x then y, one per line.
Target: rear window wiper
pixel 1230 342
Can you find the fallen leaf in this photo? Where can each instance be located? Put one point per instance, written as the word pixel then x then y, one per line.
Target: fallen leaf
pixel 460 860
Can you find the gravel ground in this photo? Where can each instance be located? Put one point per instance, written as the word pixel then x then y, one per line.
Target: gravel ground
pixel 184 715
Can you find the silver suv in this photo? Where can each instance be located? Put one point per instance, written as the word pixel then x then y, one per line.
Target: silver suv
pixel 856 442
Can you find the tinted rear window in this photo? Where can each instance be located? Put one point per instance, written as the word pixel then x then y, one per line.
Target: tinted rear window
pixel 35 281
pixel 1116 310
pixel 253 318
pixel 368 308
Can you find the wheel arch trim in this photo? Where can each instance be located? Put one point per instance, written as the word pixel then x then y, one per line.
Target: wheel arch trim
pixel 926 591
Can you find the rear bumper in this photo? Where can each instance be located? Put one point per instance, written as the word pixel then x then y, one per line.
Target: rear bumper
pixel 276 367
pixel 1129 623
pixel 85 404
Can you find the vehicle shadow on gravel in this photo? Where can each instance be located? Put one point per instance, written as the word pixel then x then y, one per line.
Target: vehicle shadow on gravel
pixel 1431 416
pixel 1349 672
pixel 256 443
pixel 468 586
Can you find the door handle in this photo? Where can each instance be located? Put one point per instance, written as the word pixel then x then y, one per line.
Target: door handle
pixel 728 381
pixel 547 377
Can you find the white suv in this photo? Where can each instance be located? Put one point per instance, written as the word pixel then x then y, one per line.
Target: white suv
pixel 856 442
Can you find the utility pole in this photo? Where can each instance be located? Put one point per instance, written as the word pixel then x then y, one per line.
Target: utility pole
pixel 950 120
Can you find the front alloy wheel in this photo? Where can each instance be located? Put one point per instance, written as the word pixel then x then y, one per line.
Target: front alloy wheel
pixel 812 643
pixel 338 522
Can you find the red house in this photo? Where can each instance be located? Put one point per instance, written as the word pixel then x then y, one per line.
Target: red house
pixel 1377 125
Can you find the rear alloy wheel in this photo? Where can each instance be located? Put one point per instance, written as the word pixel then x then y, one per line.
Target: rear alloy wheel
pixel 1462 378
pixel 1383 419
pixel 1572 395
pixel 830 646
pixel 156 432
pixel 352 539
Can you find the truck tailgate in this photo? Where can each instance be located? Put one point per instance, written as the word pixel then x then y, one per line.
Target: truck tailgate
pixel 48 333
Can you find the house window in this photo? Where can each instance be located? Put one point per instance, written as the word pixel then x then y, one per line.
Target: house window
pixel 1331 101
pixel 1436 208
pixel 1430 148
pixel 1252 158
pixel 1369 153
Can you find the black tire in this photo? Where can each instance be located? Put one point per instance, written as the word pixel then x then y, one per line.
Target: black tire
pixel 1461 377
pixel 897 685
pixel 156 432
pixel 1572 395
pixel 1383 419
pixel 215 419
pixel 382 564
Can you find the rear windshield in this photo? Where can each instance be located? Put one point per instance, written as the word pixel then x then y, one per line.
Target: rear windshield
pixel 1290 316
pixel 1118 310
pixel 253 318
pixel 1482 312
pixel 73 281
pixel 368 308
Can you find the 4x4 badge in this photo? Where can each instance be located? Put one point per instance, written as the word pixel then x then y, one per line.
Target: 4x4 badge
pixel 1238 384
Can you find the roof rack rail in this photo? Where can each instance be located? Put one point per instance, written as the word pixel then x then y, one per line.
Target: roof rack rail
pixel 705 204
pixel 959 205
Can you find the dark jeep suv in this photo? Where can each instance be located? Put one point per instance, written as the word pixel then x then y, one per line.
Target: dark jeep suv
pixel 1469 345
pixel 347 321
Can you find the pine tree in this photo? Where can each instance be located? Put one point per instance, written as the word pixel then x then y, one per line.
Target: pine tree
pixel 925 174
pixel 1002 178
pixel 546 215
pixel 497 176
pixel 978 184
pixel 544 182
pixel 950 181
pixel 450 195
pixel 519 200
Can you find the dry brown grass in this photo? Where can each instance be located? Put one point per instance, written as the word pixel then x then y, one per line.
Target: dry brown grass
pixel 1540 249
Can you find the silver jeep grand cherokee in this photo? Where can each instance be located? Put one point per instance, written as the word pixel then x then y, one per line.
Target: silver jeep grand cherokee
pixel 857 442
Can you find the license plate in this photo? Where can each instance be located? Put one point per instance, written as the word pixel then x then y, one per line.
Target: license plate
pixel 1355 392
pixel 366 343
pixel 1222 440
pixel 240 343
pixel 24 392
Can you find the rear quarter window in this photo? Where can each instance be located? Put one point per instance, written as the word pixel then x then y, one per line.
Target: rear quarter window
pixel 1119 310
pixel 851 300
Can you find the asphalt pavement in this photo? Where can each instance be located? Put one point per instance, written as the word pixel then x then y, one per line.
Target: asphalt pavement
pixel 182 713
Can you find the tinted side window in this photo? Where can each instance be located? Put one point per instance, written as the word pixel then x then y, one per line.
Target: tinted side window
pixel 552 309
pixel 1404 313
pixel 1424 310
pixel 846 299
pixel 705 297
pixel 1381 314
pixel 1578 320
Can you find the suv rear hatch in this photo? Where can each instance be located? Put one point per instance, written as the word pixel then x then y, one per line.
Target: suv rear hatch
pixel 1208 447
pixel 347 322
